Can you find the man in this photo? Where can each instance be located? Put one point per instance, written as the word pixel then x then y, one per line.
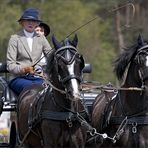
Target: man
pixel 24 51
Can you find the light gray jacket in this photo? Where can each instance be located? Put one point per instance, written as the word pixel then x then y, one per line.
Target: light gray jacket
pixel 19 55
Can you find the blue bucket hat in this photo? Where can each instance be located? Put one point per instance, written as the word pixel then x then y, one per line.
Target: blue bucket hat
pixel 30 14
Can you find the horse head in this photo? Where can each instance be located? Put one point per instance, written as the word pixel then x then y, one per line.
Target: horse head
pixel 141 60
pixel 69 65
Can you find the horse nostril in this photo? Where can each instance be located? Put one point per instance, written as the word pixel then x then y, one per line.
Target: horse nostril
pixel 80 89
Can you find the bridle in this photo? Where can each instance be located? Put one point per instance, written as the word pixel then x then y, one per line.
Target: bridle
pixel 58 55
pixel 143 76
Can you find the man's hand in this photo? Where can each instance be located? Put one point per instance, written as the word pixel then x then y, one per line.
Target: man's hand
pixel 28 69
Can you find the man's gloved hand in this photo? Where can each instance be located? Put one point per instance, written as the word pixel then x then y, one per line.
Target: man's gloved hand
pixel 28 69
pixel 38 71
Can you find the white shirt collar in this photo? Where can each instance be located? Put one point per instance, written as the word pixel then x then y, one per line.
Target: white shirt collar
pixel 28 34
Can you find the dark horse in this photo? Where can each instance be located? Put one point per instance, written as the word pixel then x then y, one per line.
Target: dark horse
pixel 49 116
pixel 123 113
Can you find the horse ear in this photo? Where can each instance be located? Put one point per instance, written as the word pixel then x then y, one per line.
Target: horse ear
pixel 140 40
pixel 75 40
pixel 56 43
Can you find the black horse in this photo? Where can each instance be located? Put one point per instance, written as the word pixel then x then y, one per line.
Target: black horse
pixel 123 113
pixel 50 117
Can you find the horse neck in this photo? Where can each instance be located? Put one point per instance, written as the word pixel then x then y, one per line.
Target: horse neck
pixel 131 101
pixel 77 106
pixel 132 78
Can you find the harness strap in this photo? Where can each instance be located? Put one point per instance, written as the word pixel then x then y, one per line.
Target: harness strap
pixel 53 115
pixel 68 46
pixel 35 108
pixel 140 120
pixel 84 123
pixel 24 138
pixel 71 77
pixel 60 116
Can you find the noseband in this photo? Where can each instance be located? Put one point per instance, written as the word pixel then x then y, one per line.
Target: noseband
pixel 64 80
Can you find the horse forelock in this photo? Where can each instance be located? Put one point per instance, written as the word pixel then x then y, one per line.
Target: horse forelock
pixel 67 54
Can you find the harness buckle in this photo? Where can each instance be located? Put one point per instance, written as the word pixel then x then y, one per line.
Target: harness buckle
pixel 134 128
pixel 68 120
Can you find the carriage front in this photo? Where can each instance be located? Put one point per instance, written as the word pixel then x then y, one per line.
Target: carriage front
pixel 7 110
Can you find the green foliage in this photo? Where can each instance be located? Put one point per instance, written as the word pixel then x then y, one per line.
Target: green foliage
pixel 92 20
pixel 8 25
pixel 103 63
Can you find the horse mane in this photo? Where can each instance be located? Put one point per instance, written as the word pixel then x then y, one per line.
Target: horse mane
pixel 50 60
pixel 123 60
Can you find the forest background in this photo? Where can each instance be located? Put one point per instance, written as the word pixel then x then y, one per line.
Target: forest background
pixel 104 35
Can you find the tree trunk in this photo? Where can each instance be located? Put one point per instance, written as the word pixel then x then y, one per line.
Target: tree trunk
pixel 120 39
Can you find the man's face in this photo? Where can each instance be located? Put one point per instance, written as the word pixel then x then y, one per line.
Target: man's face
pixel 29 25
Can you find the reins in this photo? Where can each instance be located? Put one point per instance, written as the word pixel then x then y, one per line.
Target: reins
pixel 52 86
pixel 48 82
pixel 102 87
